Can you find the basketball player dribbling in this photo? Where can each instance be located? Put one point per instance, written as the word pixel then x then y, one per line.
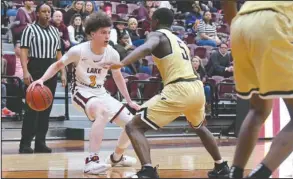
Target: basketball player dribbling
pixel 262 48
pixel 89 94
pixel 183 93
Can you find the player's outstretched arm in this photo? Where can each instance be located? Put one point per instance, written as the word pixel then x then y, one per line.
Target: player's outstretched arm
pixel 152 42
pixel 230 10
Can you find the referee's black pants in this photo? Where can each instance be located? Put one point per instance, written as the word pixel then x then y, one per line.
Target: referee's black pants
pixel 36 124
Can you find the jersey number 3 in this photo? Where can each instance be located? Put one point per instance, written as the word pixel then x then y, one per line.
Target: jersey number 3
pixel 93 80
pixel 184 53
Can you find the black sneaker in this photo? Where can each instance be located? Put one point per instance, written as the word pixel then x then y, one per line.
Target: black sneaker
pixel 147 172
pixel 219 171
pixel 26 150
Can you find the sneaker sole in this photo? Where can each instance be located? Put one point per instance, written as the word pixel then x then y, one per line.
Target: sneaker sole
pixel 99 171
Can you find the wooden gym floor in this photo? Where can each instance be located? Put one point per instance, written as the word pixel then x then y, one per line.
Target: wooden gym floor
pixel 177 158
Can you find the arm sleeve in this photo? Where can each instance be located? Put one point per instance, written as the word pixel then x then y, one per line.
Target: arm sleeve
pixel 201 26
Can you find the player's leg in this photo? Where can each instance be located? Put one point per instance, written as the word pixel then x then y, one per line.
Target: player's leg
pixel 156 113
pixel 196 117
pixel 97 113
pixel 281 148
pixel 120 115
pixel 278 48
pixel 249 133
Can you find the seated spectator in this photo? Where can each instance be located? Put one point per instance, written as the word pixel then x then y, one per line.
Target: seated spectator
pixel 88 9
pixel 76 30
pixel 132 30
pixel 221 62
pixel 193 18
pixel 211 7
pixel 25 16
pixel 76 8
pixel 207 32
pixel 119 28
pixel 4 110
pixel 64 35
pixel 124 48
pixel 144 68
pixel 199 69
pixel 142 11
pixel 18 67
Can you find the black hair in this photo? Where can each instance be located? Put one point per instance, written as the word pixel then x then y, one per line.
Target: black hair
pixel 165 16
pixel 122 34
pixel 204 13
pixel 97 20
pixel 39 6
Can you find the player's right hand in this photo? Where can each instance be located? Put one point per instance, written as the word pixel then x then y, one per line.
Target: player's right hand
pixel 35 83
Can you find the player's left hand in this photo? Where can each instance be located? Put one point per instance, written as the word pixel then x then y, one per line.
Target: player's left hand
pixel 113 65
pixel 134 105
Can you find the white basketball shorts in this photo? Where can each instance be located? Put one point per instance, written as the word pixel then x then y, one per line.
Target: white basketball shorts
pixel 114 107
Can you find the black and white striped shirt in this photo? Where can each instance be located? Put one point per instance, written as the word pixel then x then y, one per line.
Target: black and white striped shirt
pixel 41 42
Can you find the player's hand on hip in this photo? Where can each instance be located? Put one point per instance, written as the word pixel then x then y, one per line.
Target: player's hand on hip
pixel 27 78
pixel 64 80
pixel 35 83
pixel 134 105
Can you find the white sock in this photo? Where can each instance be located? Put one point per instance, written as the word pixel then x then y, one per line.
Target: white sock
pixel 148 165
pixel 116 156
pixel 219 161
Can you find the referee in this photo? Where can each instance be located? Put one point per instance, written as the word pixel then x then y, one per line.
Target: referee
pixel 40 47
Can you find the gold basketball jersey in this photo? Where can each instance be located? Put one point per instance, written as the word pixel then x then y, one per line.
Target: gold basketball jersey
pixel 177 64
pixel 283 7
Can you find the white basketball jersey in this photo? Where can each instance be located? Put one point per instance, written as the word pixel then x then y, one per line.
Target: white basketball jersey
pixel 87 69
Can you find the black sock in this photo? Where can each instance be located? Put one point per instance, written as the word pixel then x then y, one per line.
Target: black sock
pixel 261 171
pixel 236 172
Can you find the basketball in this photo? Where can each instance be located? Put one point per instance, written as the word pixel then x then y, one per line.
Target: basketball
pixel 40 98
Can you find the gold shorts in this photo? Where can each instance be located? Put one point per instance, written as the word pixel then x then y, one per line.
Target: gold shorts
pixel 179 98
pixel 262 49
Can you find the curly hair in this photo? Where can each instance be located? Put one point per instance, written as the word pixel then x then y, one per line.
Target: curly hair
pixel 97 20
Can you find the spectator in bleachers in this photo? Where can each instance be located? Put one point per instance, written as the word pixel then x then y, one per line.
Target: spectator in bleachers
pixel 133 33
pixel 76 8
pixel 193 18
pixel 164 4
pixel 144 67
pixel 221 62
pixel 25 15
pixel 132 29
pixel 57 21
pixel 88 9
pixel 76 30
pixel 211 7
pixel 199 69
pixel 18 67
pixel 119 28
pixel 124 48
pixel 142 11
pixel 4 110
pixel 207 32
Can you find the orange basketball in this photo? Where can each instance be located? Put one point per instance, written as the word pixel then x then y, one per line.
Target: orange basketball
pixel 40 98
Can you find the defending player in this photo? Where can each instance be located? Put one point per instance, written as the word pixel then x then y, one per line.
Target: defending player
pixel 183 93
pixel 262 48
pixel 89 94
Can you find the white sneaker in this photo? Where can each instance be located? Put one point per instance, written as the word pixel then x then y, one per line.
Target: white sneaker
pixel 125 161
pixel 93 166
